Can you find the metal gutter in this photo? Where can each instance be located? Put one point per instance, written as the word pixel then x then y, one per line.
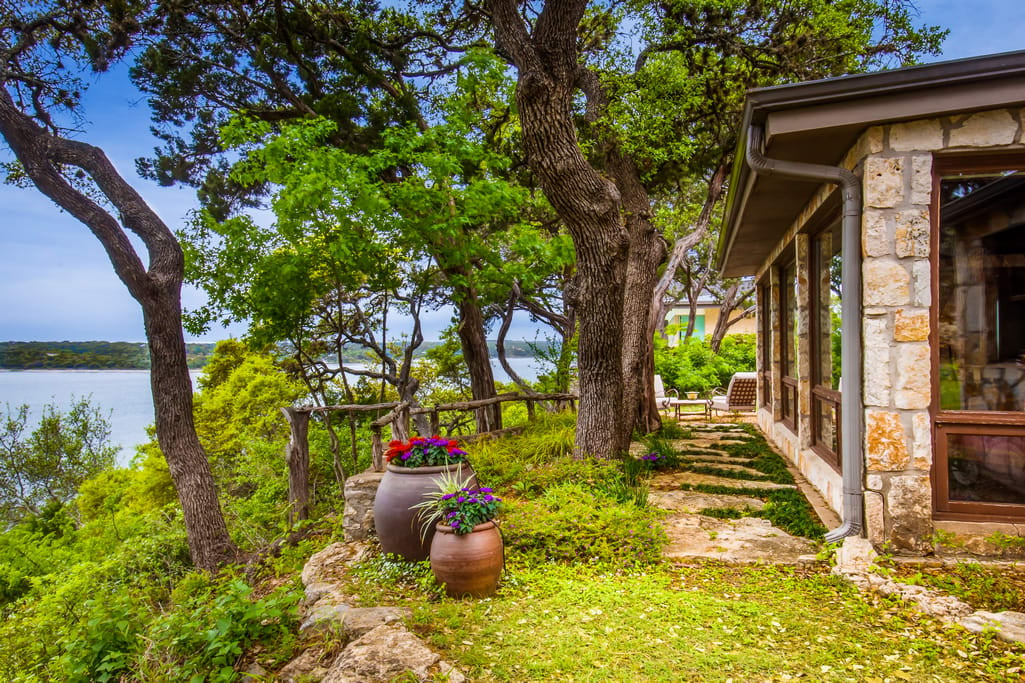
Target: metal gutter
pixel 1006 68
pixel 851 410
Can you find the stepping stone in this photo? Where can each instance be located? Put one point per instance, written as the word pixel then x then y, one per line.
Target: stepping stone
pixel 715 460
pixel 667 482
pixel 749 539
pixel 696 501
pixel 693 446
pixel 714 443
pixel 731 467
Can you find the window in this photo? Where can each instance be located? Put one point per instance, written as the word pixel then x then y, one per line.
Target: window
pixel 765 332
pixel 979 355
pixel 788 346
pixel 826 264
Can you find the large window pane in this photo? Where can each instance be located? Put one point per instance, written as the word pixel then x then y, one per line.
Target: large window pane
pixel 826 267
pixel 828 263
pixel 790 321
pixel 981 308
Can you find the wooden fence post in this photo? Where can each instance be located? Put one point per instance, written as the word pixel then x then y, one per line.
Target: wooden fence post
pixel 297 455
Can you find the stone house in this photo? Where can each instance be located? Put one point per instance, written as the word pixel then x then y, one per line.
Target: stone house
pixel 883 216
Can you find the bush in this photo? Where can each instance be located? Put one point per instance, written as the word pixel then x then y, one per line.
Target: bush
pixel 693 366
pixel 571 522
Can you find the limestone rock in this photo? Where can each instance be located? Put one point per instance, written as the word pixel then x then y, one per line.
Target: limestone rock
pixel 360 620
pixel 667 482
pixel 856 554
pixel 324 617
pixel 695 501
pixel 1010 626
pixel 383 654
pixel 306 668
pixel 985 129
pixel 884 182
pixel 886 283
pixel 330 561
pixel 360 491
pixel 749 539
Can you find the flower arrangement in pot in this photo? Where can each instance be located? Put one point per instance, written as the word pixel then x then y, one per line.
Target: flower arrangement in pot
pixel 412 471
pixel 467 552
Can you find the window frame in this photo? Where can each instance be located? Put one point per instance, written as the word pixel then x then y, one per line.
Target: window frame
pixel 822 396
pixel 789 385
pixel 765 330
pixel 946 423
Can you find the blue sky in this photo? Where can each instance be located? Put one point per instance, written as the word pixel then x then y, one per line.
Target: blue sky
pixel 57 284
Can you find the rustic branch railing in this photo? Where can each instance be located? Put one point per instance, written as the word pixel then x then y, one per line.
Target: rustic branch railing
pixel 397 418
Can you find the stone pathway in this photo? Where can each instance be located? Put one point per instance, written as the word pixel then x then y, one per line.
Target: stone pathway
pixel 694 535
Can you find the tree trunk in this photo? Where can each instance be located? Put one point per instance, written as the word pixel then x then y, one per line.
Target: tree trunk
pixel 474 344
pixel 647 251
pixel 209 543
pixel 587 202
pixel 297 456
pixel 158 291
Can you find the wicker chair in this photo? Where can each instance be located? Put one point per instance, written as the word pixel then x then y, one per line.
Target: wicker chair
pixel 740 396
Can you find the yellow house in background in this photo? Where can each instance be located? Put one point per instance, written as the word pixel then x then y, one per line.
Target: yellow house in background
pixel 705 320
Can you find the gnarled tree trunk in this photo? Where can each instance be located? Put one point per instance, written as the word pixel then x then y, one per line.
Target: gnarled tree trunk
pixel 587 202
pixel 158 291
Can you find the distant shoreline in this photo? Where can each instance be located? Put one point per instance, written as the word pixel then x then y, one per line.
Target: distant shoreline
pixel 98 356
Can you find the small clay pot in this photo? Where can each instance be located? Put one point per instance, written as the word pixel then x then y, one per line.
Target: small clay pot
pixel 468 564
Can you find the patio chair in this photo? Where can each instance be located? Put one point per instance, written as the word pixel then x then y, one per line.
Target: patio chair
pixel 740 395
pixel 663 398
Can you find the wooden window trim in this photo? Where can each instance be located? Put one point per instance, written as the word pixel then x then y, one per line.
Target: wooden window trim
pixel 788 384
pixel 946 422
pixel 819 392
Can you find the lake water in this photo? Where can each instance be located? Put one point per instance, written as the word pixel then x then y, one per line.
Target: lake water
pixel 124 395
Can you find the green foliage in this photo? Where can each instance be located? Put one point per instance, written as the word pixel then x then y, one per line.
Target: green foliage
pixel 990 588
pixel 213 623
pixel 47 466
pixel 571 522
pixel 548 441
pixel 693 366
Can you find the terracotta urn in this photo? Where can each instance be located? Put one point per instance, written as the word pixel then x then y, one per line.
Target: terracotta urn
pixel 398 527
pixel 468 564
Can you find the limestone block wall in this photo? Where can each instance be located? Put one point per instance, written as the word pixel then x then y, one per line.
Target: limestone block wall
pixel 897 295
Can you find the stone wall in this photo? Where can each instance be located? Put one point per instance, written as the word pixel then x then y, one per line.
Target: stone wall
pixel 896 229
pixel 895 164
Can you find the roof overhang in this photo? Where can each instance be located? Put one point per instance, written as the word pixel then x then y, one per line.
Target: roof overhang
pixel 819 121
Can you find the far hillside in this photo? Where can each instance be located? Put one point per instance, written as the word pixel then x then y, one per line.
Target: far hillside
pixel 88 355
pixel 104 355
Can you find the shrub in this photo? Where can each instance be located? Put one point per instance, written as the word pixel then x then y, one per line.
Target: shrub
pixel 693 366
pixel 570 522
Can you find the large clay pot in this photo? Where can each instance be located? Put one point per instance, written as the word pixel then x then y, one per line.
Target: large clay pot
pixel 398 527
pixel 468 564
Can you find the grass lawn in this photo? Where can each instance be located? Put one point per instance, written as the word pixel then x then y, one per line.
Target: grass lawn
pixel 588 596
pixel 709 622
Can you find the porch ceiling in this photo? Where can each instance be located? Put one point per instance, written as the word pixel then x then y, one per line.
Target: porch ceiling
pixel 818 121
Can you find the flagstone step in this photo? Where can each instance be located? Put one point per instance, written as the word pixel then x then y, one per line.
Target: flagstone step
pixel 674 480
pixel 748 539
pixel 729 467
pixel 696 501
